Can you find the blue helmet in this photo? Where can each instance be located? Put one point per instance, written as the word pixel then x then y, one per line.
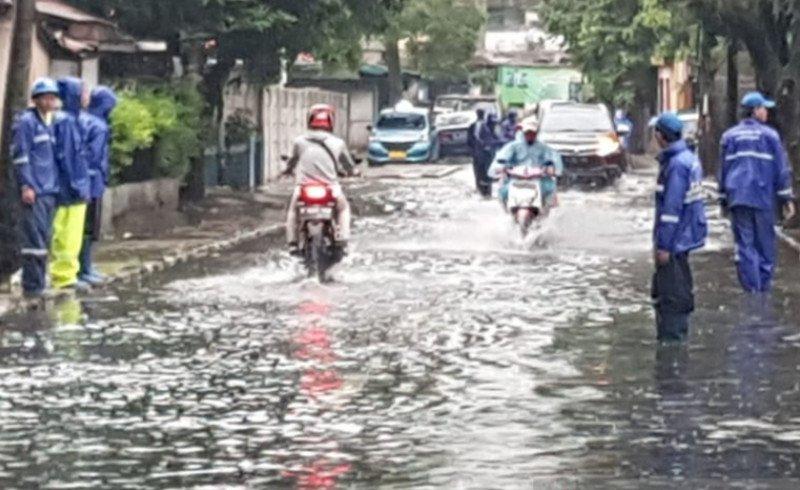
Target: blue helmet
pixel 44 86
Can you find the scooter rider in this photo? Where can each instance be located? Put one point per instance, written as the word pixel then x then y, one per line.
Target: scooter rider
pixel 526 149
pixel 320 157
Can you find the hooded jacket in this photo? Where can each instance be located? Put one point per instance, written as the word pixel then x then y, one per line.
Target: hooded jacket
pixel 70 150
pixel 33 154
pixel 96 127
pixel 680 225
pixel 754 169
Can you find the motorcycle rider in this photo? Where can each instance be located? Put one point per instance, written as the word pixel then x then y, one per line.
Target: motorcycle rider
pixel 319 157
pixel 526 149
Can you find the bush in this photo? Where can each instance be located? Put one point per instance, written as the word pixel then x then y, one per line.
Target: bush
pixel 168 118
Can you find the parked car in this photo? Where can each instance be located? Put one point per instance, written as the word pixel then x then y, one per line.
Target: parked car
pixel 456 113
pixel 585 136
pixel 402 134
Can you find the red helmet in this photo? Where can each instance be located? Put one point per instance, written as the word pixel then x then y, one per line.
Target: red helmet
pixel 320 116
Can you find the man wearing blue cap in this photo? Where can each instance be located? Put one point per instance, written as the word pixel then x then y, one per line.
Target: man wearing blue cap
pixel 34 156
pixel 755 179
pixel 680 228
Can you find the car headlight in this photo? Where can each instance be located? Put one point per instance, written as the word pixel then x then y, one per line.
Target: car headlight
pixel 373 139
pixel 608 145
pixel 423 138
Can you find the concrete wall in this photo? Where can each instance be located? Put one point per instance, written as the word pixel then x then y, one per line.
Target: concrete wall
pixel 284 119
pixel 153 195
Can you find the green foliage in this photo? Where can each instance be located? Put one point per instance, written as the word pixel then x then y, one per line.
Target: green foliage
pixel 614 42
pixel 168 118
pixel 133 129
pixel 442 35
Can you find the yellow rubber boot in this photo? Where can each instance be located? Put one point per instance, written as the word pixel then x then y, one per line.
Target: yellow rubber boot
pixel 68 229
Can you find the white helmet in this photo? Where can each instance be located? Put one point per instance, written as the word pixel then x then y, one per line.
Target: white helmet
pixel 530 124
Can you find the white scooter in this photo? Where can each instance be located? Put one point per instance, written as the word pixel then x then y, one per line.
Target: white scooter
pixel 526 201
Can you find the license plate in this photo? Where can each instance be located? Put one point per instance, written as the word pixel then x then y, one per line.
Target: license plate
pixel 397 155
pixel 524 196
pixel 317 212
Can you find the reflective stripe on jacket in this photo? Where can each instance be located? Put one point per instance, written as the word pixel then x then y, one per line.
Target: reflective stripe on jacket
pixel 33 154
pixel 680 224
pixel 754 170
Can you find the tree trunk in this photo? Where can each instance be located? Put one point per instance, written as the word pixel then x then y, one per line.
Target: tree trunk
pixel 646 92
pixel 732 86
pixel 15 100
pixel 195 179
pixel 395 70
pixel 712 116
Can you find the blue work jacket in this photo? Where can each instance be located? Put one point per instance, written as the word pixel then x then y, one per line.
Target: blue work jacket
pixel 680 224
pixel 33 154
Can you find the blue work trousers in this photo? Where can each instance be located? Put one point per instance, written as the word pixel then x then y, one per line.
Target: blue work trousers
pixel 37 230
pixel 756 247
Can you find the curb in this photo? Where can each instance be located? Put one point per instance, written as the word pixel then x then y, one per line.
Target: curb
pixel 787 240
pixel 199 252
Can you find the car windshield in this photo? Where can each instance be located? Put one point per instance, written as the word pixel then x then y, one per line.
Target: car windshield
pixel 474 105
pixel 447 103
pixel 577 121
pixel 411 122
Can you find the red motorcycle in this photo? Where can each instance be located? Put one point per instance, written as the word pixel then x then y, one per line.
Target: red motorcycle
pixel 316 209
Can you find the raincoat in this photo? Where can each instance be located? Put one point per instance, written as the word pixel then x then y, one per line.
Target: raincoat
pixel 33 156
pixel 754 180
pixel 96 126
pixel 520 152
pixel 68 224
pixel 680 227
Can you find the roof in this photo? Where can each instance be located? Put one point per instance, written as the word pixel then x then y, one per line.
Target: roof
pixel 61 10
pixel 531 58
pixel 79 33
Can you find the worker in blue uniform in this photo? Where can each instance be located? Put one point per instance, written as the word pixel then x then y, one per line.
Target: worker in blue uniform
pixel 755 183
pixel 34 158
pixel 680 228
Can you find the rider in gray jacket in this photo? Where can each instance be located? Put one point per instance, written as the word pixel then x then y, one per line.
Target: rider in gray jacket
pixel 319 156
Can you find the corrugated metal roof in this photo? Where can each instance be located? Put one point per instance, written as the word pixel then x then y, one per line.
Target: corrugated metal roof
pixel 61 10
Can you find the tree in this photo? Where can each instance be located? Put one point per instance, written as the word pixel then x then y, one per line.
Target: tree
pixel 770 32
pixel 15 100
pixel 614 42
pixel 441 37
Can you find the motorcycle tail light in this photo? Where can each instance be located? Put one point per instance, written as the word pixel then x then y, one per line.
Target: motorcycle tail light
pixel 315 193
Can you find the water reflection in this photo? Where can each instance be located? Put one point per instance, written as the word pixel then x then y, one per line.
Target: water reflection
pixel 320 382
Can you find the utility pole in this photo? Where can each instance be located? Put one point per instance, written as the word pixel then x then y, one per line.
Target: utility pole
pixel 18 76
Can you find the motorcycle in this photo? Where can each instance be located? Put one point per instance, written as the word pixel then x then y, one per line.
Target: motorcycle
pixel 316 210
pixel 526 201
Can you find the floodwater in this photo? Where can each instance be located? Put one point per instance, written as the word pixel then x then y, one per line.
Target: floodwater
pixel 447 355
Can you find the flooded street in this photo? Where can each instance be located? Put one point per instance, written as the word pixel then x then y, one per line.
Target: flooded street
pixel 446 355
